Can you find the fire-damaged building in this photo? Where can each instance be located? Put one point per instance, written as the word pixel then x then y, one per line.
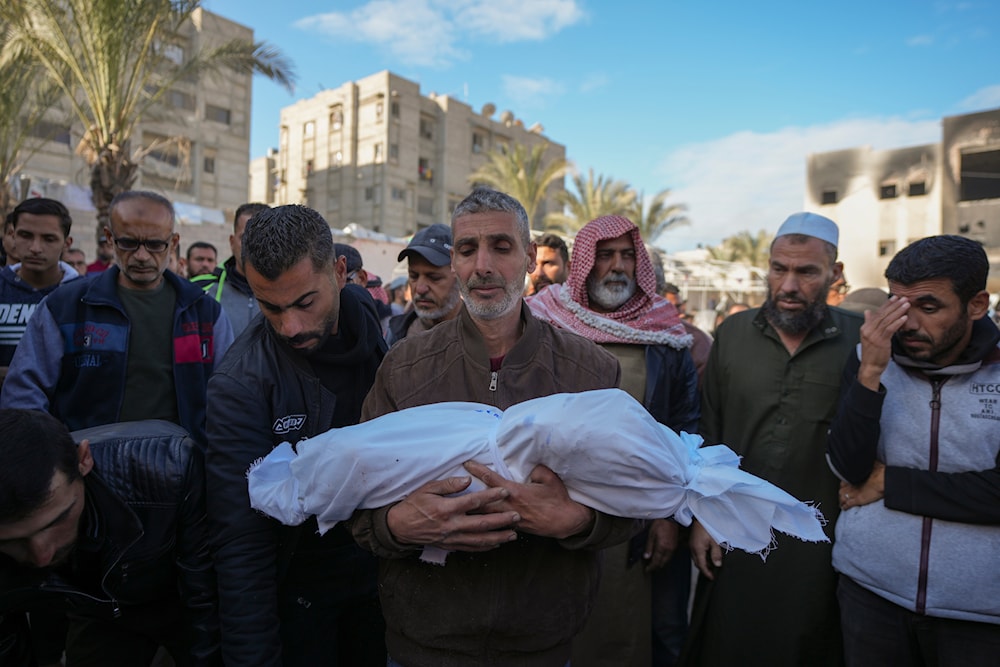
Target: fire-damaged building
pixel 883 200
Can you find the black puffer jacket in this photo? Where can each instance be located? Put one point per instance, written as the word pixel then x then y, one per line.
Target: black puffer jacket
pixel 144 517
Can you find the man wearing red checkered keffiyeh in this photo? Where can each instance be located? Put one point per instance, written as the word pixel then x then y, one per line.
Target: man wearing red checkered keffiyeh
pixel 610 298
pixel 646 317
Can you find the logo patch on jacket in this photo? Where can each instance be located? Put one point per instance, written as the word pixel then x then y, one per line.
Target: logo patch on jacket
pixel 288 423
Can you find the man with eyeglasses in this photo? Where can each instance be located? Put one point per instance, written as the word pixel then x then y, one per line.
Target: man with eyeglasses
pixel 134 342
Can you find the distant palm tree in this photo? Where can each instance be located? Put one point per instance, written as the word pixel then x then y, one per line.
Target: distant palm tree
pixel 523 173
pixel 594 197
pixel 113 60
pixel 745 247
pixel 25 98
pixel 658 216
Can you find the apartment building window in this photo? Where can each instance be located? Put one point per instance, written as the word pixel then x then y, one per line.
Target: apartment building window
pixel 424 170
pixel 209 164
pixel 426 128
pixel 180 100
pixel 394 152
pixel 886 248
pixel 399 194
pixel 425 205
pixel 828 197
pixel 50 132
pixel 394 109
pixel 377 153
pixel 379 110
pixel 917 189
pixel 217 114
pixel 980 175
pixel 502 144
pixel 174 53
pixel 309 168
pixel 309 129
pixel 370 193
pixel 478 142
pixel 336 120
pixel 887 192
pixel 337 158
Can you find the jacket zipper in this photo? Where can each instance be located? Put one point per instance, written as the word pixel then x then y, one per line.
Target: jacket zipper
pixel 928 522
pixel 493 380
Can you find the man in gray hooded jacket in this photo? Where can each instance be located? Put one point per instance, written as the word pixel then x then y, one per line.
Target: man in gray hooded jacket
pixel 917 441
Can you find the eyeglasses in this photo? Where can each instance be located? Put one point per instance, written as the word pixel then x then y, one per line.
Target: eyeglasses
pixel 840 289
pixel 152 245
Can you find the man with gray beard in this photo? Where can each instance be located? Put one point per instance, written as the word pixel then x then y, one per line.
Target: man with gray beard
pixel 524 571
pixel 435 291
pixel 770 392
pixel 610 298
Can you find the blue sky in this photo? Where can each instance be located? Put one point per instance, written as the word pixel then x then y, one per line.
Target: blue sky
pixel 718 101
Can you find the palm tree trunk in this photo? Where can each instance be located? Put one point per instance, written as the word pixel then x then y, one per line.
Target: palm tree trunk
pixel 113 172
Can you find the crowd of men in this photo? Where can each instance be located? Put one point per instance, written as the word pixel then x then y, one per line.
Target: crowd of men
pixel 135 400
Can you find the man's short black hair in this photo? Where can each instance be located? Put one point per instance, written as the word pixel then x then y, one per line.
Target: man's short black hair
pixel 36 445
pixel 250 209
pixel 959 259
pixel 201 244
pixel 41 206
pixel 277 239
pixel 556 242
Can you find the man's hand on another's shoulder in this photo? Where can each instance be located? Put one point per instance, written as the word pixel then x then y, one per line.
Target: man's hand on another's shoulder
pixel 470 522
pixel 543 504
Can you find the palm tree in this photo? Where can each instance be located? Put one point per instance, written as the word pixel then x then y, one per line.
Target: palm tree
pixel 657 217
pixel 523 173
pixel 25 98
pixel 112 61
pixel 752 249
pixel 593 198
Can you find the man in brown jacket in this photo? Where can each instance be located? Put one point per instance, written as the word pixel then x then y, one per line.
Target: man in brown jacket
pixel 525 573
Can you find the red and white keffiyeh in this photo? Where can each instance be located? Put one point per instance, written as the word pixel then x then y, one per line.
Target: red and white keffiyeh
pixel 646 318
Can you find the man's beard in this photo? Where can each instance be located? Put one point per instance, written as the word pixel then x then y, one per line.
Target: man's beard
pixel 320 336
pixel 491 310
pixel 435 315
pixel 938 348
pixel 612 291
pixel 797 322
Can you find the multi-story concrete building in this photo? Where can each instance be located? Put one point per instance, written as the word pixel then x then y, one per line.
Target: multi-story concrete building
pixel 884 200
pixel 378 153
pixel 200 139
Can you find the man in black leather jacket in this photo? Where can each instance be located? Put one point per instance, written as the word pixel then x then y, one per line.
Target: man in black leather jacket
pixel 288 596
pixel 112 531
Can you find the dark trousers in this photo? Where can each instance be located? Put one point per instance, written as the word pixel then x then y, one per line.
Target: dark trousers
pixel 335 621
pixel 878 633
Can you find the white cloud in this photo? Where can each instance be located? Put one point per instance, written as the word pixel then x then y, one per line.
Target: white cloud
pixel 393 24
pixel 428 32
pixel 982 99
pixel 920 40
pixel 518 20
pixel 753 181
pixel 530 93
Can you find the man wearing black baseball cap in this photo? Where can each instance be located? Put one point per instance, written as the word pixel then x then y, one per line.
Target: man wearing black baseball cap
pixel 432 283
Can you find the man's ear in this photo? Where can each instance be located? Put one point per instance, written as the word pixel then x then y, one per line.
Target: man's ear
pixel 979 305
pixel 838 271
pixel 532 256
pixel 85 460
pixel 340 270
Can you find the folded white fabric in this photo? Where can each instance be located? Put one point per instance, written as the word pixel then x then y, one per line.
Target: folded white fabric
pixel 608 451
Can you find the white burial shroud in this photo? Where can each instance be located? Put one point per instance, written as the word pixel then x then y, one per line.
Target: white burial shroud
pixel 607 449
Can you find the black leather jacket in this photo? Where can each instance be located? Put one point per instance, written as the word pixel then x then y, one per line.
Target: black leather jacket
pixel 144 522
pixel 263 394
